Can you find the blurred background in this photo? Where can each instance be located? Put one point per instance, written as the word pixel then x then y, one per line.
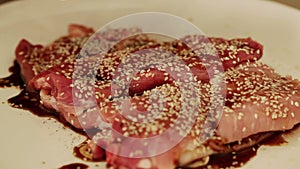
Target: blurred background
pixel 293 3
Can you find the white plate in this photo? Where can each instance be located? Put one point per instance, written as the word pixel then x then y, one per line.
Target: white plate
pixel 28 141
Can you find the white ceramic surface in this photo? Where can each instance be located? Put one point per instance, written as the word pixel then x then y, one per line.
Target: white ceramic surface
pixel 30 142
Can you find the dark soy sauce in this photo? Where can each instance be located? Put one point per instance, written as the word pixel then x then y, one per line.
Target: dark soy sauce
pixel 74 166
pixel 83 152
pixel 14 79
pixel 30 101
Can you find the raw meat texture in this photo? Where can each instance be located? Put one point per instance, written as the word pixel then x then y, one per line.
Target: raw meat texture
pixel 258 101
pixel 55 81
pixel 186 154
pixel 33 59
pixel 58 92
pixel 80 89
pixel 231 52
pixel 198 52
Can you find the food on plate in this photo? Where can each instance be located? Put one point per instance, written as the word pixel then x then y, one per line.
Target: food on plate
pixel 49 69
pixel 252 104
pixel 258 101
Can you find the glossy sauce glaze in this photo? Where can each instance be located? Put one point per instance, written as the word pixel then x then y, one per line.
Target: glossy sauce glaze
pixel 30 101
pixel 14 79
pixel 234 159
pixel 241 157
pixel 74 166
pixel 82 151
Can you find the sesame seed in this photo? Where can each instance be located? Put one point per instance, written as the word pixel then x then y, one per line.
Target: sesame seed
pixel 292 113
pixel 244 129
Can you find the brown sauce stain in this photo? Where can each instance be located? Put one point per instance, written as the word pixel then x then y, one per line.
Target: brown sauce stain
pixel 275 140
pixel 82 151
pixel 234 159
pixel 14 79
pixel 30 101
pixel 74 166
pixel 239 158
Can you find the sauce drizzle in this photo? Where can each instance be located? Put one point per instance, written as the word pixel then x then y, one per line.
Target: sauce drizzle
pixel 14 79
pixel 74 166
pixel 30 101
